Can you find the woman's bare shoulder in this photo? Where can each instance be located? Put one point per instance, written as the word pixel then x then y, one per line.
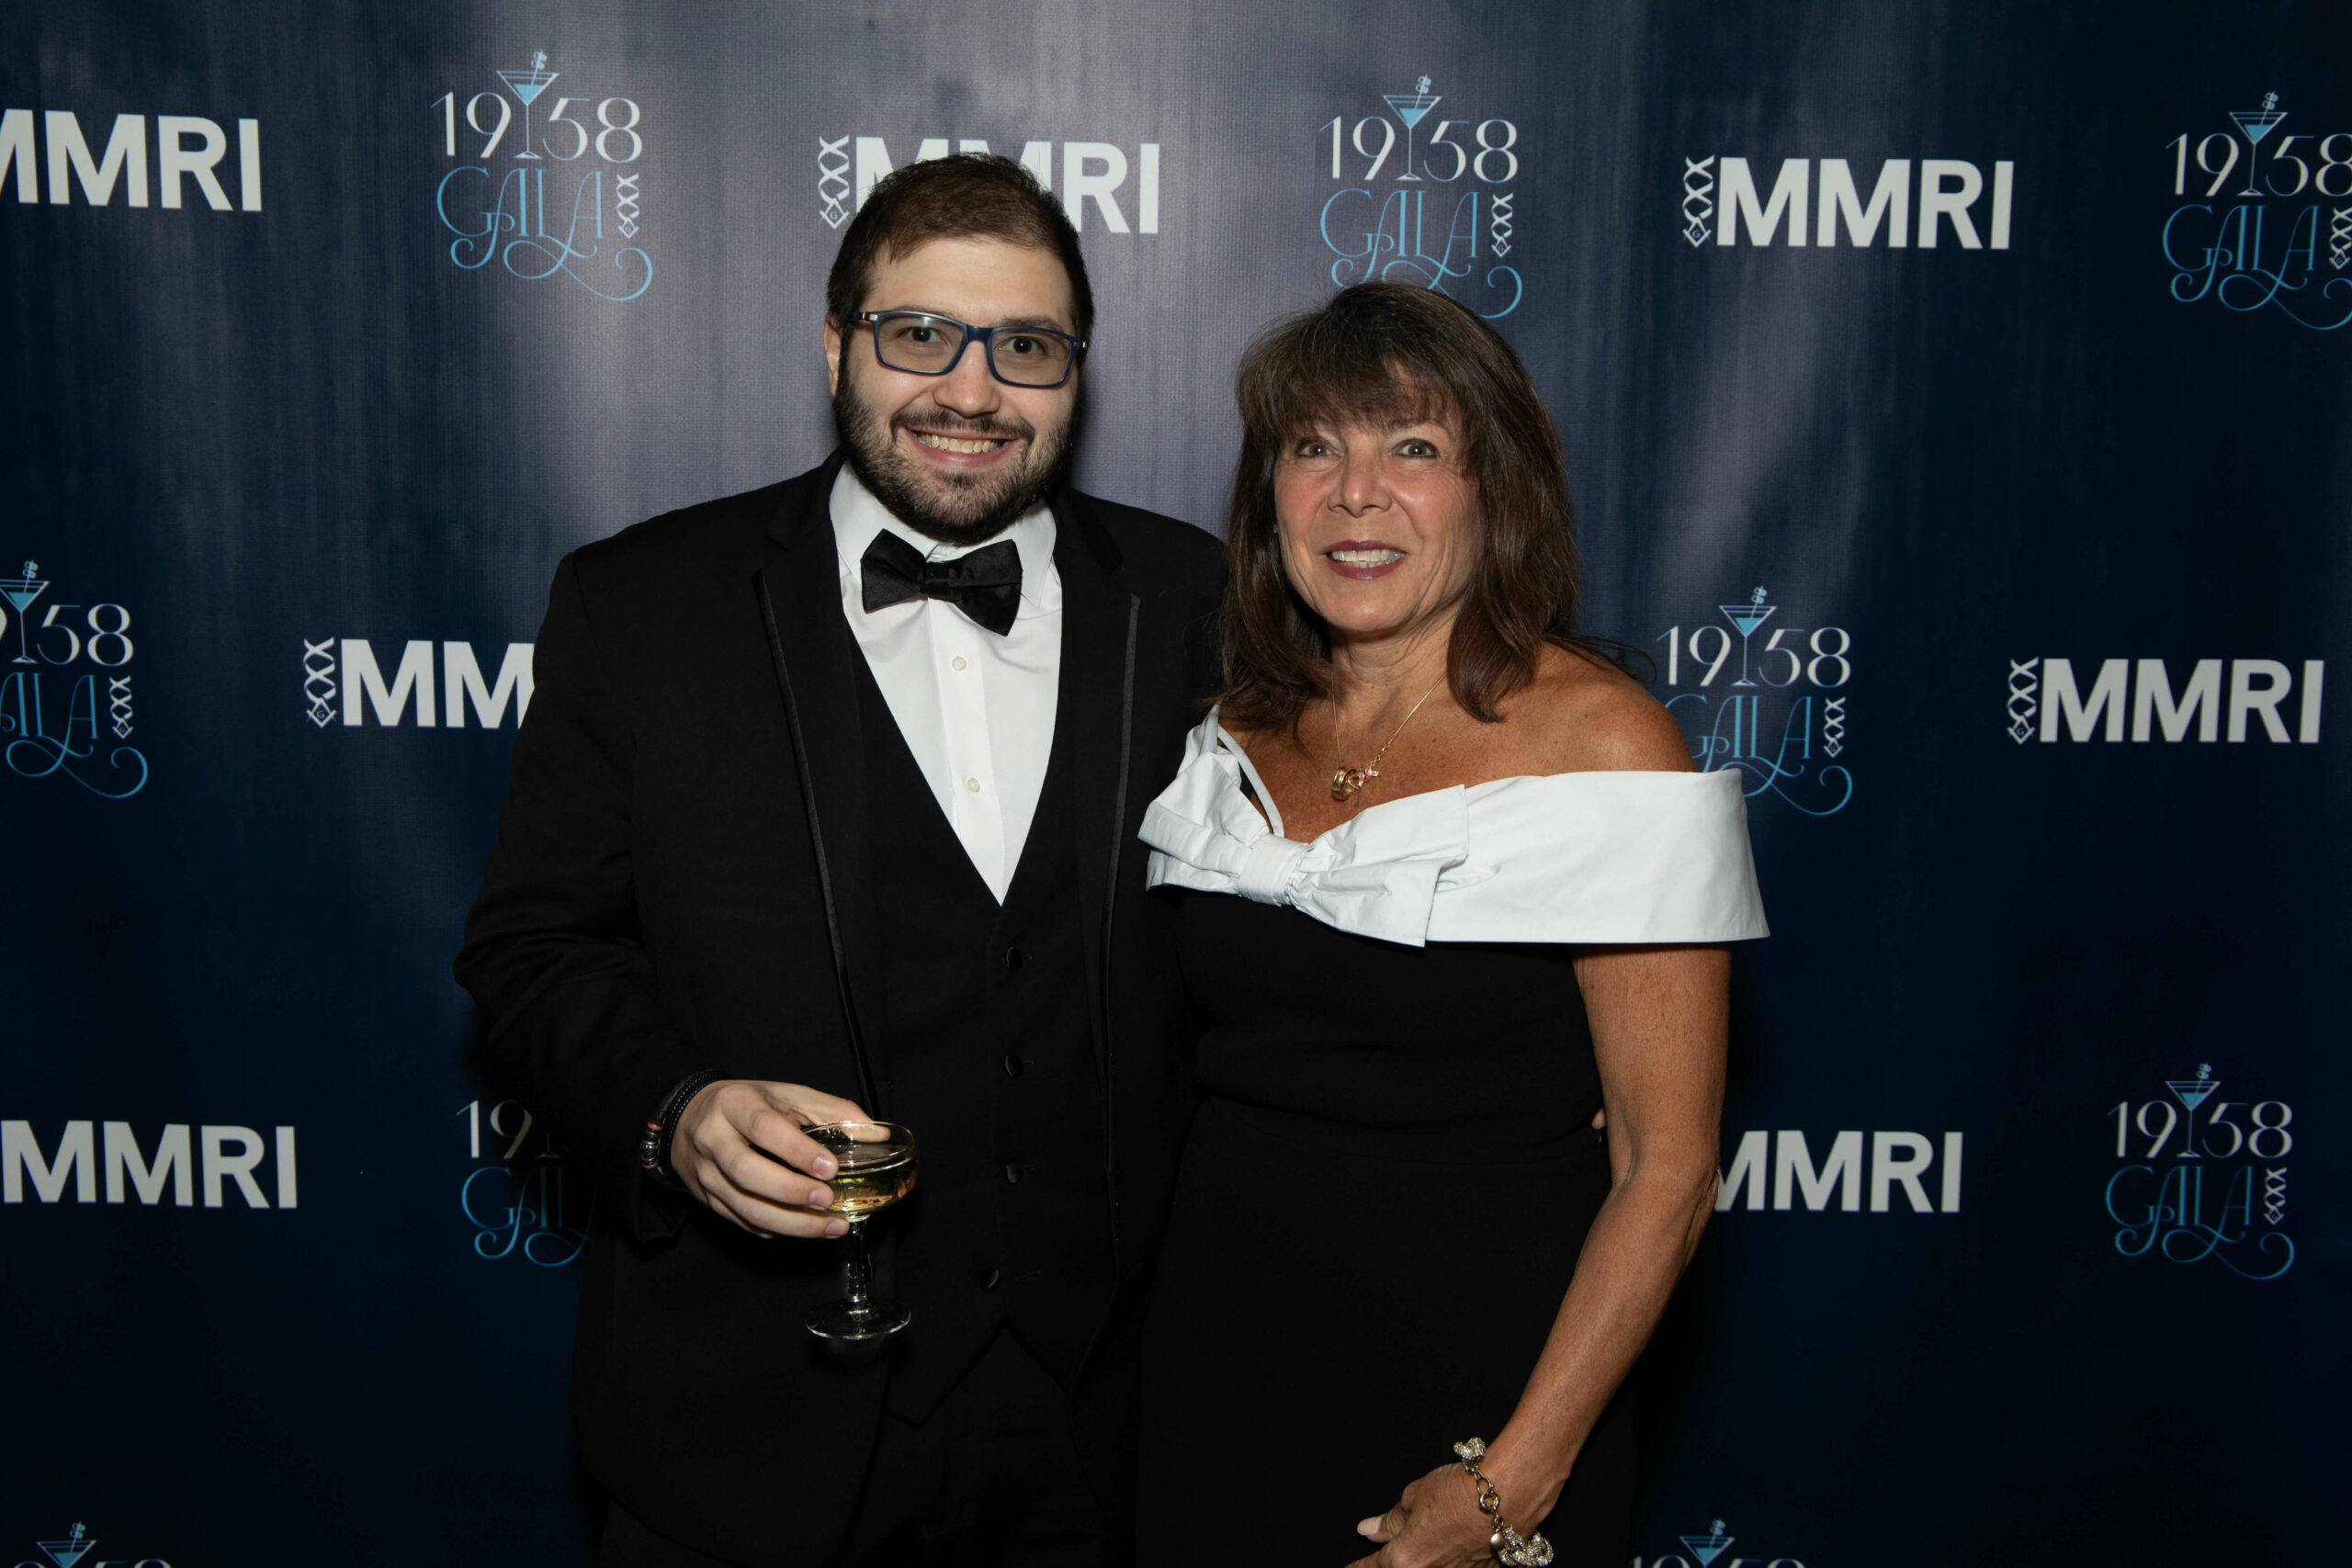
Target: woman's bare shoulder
pixel 1247 737
pixel 1272 749
pixel 1583 715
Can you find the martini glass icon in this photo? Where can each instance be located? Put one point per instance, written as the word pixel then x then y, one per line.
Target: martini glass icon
pixel 22 592
pixel 1707 1548
pixel 65 1553
pixel 1409 108
pixel 2192 1093
pixel 1747 618
pixel 2255 124
pixel 528 85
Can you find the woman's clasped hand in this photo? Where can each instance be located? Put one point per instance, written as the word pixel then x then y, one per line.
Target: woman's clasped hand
pixel 1436 1524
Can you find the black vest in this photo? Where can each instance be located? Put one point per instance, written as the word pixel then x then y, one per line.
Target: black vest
pixel 992 1064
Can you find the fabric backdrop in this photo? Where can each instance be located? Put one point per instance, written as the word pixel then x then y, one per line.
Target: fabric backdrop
pixel 1956 401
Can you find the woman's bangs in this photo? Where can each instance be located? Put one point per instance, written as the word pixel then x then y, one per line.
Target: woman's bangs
pixel 1365 385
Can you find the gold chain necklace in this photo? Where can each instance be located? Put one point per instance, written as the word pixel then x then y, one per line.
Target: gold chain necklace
pixel 1345 779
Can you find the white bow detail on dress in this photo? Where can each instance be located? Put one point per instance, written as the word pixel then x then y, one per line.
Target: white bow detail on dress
pixel 1626 856
pixel 1376 874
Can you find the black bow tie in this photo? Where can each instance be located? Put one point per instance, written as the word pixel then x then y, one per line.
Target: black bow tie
pixel 985 584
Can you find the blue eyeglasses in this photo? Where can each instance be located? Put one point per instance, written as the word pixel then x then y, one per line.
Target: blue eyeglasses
pixel 924 344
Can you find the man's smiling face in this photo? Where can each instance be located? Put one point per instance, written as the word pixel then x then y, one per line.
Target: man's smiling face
pixel 957 457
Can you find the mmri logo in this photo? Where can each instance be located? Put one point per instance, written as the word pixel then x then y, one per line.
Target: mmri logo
pixel 2048 699
pixel 1898 1162
pixel 189 149
pixel 1090 173
pixel 226 1157
pixel 1911 203
pixel 344 680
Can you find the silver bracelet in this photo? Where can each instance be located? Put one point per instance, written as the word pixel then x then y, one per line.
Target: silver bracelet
pixel 1510 1546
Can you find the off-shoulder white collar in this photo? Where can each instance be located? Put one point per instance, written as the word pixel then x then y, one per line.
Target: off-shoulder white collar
pixel 1593 857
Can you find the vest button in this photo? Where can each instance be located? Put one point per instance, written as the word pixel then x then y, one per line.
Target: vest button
pixel 990 1279
pixel 1013 958
pixel 1012 1172
pixel 1013 1065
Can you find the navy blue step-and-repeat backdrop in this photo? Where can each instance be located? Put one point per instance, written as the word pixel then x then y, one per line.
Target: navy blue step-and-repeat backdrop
pixel 1957 403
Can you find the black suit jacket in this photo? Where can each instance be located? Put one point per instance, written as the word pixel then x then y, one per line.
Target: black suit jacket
pixel 678 884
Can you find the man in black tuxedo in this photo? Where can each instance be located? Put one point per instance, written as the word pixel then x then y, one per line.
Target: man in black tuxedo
pixel 825 806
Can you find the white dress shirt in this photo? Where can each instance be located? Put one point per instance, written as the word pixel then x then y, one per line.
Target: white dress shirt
pixel 976 709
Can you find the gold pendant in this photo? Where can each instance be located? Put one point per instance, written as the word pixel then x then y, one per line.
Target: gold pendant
pixel 1347 781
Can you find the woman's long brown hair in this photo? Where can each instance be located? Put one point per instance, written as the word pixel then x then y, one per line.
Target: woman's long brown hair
pixel 1385 355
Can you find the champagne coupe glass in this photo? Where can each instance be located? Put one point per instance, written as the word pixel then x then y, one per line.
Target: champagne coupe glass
pixel 878 1169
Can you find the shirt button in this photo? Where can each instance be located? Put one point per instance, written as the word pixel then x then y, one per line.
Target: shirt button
pixel 1013 958
pixel 957 661
pixel 1013 1173
pixel 990 1279
pixel 972 784
pixel 1015 1066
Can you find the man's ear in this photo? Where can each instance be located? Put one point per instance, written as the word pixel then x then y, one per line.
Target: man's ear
pixel 833 356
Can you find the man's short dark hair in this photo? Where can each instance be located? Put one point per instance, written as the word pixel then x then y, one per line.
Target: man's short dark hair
pixel 968 196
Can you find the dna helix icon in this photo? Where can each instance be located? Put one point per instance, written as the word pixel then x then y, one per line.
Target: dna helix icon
pixel 832 181
pixel 2024 682
pixel 318 681
pixel 1698 201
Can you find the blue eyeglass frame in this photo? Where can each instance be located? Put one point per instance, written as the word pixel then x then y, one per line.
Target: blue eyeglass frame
pixel 984 336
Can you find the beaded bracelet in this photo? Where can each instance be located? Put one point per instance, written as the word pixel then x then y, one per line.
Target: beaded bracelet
pixel 1510 1546
pixel 653 1144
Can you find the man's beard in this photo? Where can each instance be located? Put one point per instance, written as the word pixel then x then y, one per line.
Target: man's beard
pixel 955 509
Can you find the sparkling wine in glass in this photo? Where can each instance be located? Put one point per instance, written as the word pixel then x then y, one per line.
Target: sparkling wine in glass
pixel 878 1169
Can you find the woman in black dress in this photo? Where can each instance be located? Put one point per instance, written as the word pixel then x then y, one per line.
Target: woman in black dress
pixel 1450 890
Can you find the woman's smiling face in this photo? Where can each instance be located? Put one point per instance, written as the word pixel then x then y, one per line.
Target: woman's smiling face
pixel 1377 523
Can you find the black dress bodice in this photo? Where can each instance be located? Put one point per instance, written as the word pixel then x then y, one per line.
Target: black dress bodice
pixel 1379 1212
pixel 1478 1039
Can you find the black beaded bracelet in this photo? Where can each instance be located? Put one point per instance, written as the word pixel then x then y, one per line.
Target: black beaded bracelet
pixel 653 1147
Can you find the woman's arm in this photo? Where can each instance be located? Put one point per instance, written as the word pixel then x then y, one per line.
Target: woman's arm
pixel 1660 1017
pixel 1660 1020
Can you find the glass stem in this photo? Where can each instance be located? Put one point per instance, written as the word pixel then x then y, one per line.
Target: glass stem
pixel 857 1271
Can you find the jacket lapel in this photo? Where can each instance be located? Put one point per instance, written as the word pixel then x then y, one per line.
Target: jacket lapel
pixel 809 642
pixel 1095 713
